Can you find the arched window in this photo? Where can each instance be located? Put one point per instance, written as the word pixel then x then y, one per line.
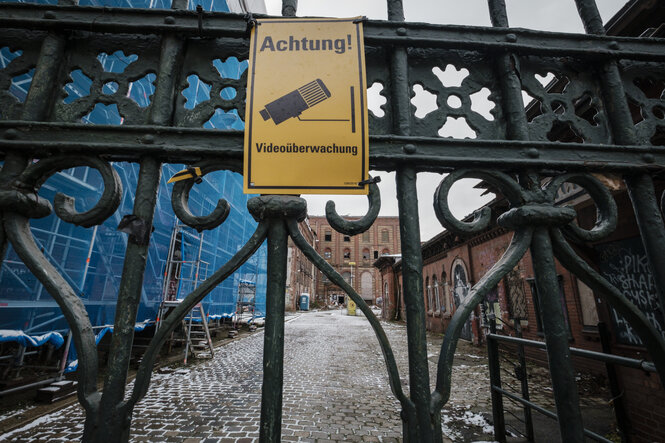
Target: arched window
pixel 385 251
pixel 445 299
pixel 460 282
pixel 437 300
pixel 428 291
pixel 347 253
pixel 461 289
pixel 327 253
pixel 365 254
pixel 346 275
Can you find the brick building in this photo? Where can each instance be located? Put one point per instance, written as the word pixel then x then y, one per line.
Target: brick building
pixel 353 257
pixel 300 272
pixel 452 264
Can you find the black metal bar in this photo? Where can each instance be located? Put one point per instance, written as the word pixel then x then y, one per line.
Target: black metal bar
pixel 547 413
pixel 511 86
pixel 407 202
pixel 623 422
pixel 186 145
pixel 414 305
pixel 377 33
pixel 556 336
pixel 524 381
pixel 289 8
pixel 640 186
pixel 611 358
pixel 495 380
pixel 273 343
pixel 35 108
pixel 395 10
pixel 113 423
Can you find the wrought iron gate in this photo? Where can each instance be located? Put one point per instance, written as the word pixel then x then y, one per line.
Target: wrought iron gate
pixel 43 135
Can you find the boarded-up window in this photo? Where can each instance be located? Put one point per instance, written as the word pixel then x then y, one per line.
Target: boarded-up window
pixel 562 300
pixel 385 236
pixel 588 304
pixel 516 295
pixel 366 286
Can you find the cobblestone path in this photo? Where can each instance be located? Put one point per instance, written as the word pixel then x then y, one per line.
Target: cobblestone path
pixel 335 389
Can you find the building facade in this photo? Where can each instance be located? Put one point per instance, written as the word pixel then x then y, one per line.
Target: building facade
pixel 300 272
pixel 453 264
pixel 353 257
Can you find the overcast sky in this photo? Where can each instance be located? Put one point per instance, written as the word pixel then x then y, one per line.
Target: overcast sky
pixel 549 15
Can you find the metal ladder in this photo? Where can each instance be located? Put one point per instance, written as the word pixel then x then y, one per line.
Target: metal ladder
pixel 198 340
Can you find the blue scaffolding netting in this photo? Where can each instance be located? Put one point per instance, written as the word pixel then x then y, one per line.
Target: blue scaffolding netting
pixel 91 259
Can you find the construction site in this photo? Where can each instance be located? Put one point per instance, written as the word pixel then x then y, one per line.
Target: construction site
pixel 36 350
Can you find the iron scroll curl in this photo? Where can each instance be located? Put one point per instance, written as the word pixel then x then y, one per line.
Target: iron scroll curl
pixel 180 197
pixel 36 174
pixel 532 209
pixel 511 190
pixel 354 227
pixel 17 231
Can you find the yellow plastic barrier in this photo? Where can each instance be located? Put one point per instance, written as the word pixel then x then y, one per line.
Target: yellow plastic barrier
pixel 351 307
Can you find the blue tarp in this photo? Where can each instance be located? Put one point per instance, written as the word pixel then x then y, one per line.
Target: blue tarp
pixel 73 362
pixel 91 259
pixel 20 337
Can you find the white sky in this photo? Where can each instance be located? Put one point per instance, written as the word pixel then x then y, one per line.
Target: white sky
pixel 548 15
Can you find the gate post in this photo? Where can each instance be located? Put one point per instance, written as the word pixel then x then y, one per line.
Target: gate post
pixel 407 201
pixel 273 342
pixel 566 396
pixel 276 210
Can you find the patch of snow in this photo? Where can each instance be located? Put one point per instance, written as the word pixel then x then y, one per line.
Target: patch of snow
pixel 33 424
pixel 474 419
pixel 13 413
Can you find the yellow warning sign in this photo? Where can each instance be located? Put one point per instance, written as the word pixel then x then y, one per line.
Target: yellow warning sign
pixel 306 117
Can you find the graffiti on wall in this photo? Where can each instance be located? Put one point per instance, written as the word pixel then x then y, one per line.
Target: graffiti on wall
pixel 624 264
pixel 461 288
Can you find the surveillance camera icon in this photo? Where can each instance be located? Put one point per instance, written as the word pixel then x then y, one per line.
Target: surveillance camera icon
pixel 295 102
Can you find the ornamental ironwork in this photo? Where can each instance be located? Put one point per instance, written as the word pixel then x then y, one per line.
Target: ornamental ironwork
pixel 515 150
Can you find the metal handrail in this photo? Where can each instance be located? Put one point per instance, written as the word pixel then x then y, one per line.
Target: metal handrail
pixel 600 356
